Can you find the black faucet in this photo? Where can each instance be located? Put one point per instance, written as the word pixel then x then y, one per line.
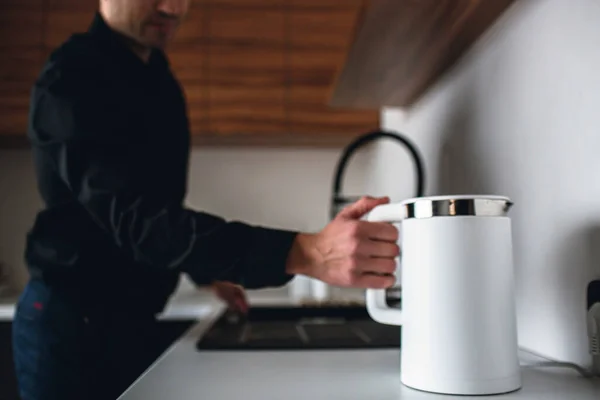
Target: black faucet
pixel 338 201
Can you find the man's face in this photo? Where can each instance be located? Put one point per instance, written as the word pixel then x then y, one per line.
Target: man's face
pixel 152 23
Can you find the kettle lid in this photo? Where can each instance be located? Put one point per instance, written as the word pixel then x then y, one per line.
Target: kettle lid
pixel 456 205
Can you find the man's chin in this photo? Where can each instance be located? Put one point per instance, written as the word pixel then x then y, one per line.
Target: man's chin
pixel 159 46
pixel 159 42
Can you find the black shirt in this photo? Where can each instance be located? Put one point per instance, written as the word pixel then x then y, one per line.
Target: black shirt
pixel 110 138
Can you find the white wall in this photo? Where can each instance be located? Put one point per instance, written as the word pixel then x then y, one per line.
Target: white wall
pixel 284 188
pixel 519 117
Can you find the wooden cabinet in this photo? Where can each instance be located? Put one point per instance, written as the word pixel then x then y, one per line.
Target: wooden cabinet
pixel 402 48
pixel 255 72
pixel 320 33
pixel 65 17
pixel 263 71
pixel 246 67
pixel 21 55
pixel 187 56
pixel 29 30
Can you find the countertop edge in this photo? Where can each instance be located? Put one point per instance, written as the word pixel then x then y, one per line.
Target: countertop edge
pixel 183 305
pixel 213 312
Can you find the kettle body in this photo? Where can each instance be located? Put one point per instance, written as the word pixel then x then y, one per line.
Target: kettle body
pixel 458 317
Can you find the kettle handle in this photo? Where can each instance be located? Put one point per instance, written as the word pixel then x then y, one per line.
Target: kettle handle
pixel 375 298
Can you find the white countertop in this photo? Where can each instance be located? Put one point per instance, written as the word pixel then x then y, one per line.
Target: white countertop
pixel 7 306
pixel 183 373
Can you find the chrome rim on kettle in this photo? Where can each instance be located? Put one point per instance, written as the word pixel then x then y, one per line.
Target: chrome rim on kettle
pixel 448 206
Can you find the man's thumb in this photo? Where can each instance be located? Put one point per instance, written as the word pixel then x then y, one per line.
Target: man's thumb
pixel 362 206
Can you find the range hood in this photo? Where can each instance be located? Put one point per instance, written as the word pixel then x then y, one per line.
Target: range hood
pixel 402 47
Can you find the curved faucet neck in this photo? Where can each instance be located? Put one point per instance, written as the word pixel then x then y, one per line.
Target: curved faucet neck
pixel 361 141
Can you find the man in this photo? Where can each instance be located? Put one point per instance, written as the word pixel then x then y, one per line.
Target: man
pixel 110 137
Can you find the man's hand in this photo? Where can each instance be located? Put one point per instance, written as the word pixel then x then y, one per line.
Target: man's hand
pixel 349 252
pixel 233 295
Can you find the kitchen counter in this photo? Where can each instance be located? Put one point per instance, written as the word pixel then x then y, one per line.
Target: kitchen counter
pixel 183 305
pixel 7 306
pixel 188 301
pixel 183 373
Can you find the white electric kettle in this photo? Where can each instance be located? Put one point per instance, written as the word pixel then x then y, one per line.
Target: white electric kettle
pixel 459 331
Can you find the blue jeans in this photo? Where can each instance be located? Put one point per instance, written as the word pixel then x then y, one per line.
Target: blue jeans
pixel 61 352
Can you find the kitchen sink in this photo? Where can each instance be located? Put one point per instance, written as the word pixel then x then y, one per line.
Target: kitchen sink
pixel 299 328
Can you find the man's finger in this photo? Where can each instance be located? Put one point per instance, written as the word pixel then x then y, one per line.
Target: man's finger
pixel 375 248
pixel 379 231
pixel 362 207
pixel 242 305
pixel 371 281
pixel 369 265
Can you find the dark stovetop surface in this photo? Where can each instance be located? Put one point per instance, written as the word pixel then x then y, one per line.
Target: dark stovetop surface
pixel 300 328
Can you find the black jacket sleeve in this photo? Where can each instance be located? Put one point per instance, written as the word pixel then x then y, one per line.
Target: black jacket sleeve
pixel 91 144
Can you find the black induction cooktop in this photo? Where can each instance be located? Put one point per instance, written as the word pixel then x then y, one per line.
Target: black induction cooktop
pixel 300 328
